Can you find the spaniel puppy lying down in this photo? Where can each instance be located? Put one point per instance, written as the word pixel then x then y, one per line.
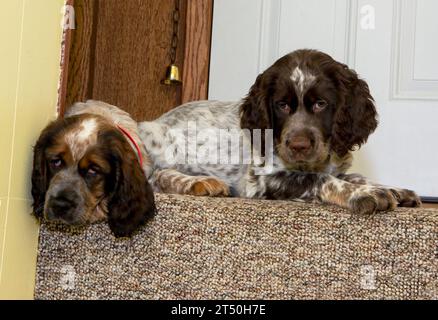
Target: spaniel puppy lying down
pixel 317 111
pixel 301 120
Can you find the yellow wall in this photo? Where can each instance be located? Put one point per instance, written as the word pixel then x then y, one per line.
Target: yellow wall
pixel 30 41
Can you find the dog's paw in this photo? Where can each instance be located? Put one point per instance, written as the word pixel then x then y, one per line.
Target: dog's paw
pixel 209 186
pixel 373 199
pixel 406 198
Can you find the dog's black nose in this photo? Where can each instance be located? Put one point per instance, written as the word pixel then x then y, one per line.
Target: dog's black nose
pixel 61 205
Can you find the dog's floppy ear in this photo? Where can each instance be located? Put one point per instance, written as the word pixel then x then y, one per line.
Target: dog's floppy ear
pixel 39 178
pixel 131 202
pixel 40 174
pixel 255 110
pixel 356 116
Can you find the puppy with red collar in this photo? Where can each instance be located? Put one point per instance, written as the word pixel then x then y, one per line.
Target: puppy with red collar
pixel 91 166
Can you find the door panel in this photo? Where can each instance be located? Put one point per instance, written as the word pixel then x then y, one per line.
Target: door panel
pixel 426 49
pixel 127 50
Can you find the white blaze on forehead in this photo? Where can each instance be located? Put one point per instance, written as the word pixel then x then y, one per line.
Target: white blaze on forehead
pixel 80 138
pixel 88 127
pixel 302 80
pixel 297 75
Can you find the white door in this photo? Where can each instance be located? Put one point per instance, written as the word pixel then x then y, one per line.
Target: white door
pixel 392 44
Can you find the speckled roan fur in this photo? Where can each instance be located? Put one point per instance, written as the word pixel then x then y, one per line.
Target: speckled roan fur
pixel 157 136
pixel 297 78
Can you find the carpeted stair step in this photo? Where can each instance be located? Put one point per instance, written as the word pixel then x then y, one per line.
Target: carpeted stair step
pixel 204 248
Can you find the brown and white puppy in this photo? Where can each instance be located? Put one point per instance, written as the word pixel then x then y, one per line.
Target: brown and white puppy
pixel 85 170
pixel 318 111
pixel 315 106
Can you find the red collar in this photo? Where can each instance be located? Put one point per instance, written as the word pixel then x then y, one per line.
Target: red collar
pixel 127 134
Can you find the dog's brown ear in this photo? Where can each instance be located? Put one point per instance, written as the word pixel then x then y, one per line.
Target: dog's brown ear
pixel 39 179
pixel 356 116
pixel 40 174
pixel 255 109
pixel 131 202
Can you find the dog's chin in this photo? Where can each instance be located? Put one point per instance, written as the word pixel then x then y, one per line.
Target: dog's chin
pixel 67 221
pixel 79 218
pixel 301 162
pixel 76 219
pixel 302 159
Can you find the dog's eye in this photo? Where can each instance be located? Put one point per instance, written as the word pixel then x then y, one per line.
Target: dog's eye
pixel 320 105
pixel 283 106
pixel 92 172
pixel 56 163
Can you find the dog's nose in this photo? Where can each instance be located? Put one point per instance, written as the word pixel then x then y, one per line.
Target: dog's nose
pixel 61 205
pixel 300 144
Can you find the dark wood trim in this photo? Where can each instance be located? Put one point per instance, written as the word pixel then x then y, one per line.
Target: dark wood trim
pixel 197 50
pixel 430 205
pixel 65 59
pixel 429 199
pixel 81 52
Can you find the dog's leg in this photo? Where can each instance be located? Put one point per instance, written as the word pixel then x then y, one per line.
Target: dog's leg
pixel 321 188
pixel 173 181
pixel 354 178
pixel 405 197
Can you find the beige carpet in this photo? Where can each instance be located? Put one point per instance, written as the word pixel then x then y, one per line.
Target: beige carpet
pixel 203 248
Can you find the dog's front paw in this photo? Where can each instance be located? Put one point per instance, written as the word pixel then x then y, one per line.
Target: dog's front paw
pixel 406 198
pixel 368 200
pixel 209 186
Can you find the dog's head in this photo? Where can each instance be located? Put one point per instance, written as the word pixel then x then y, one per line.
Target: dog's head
pixel 315 105
pixel 85 170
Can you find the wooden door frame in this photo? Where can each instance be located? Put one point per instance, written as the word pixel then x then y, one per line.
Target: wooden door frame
pixel 195 75
pixel 65 59
pixel 199 20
